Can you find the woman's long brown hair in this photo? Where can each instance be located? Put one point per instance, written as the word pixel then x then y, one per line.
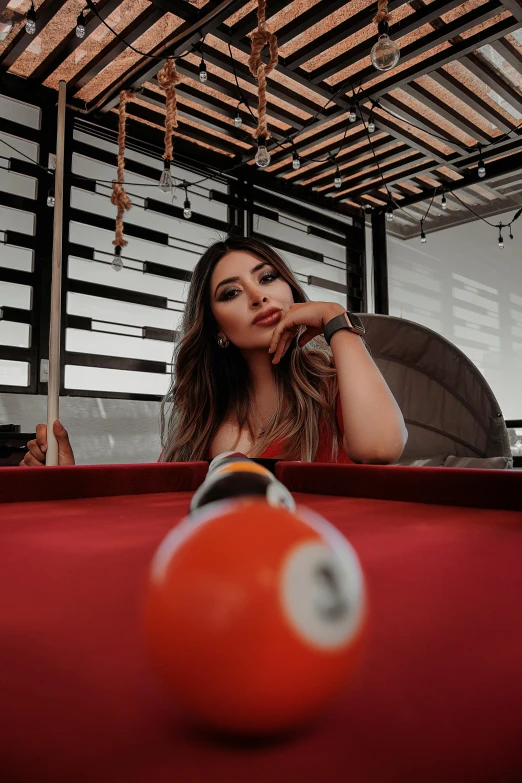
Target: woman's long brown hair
pixel 210 383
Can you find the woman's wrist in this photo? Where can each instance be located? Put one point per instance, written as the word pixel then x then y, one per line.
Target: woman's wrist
pixel 332 310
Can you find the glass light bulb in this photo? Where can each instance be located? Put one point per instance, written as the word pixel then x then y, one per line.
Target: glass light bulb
pixel 338 181
pixel 203 75
pixel 423 239
pixel 481 171
pixel 187 211
pixel 353 115
pixel 444 203
pixel 385 53
pixel 262 157
pixel 389 217
pixel 296 162
pixel 80 30
pixel 51 199
pixel 165 183
pixel 501 242
pixel 117 263
pixel 30 26
pixel 371 126
pixel 5 28
pixel 238 120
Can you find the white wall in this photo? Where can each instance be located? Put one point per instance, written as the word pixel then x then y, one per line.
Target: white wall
pixel 462 285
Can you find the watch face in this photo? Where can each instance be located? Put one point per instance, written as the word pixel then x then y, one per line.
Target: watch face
pixel 356 323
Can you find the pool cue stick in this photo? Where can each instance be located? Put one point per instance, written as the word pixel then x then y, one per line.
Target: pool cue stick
pixel 53 388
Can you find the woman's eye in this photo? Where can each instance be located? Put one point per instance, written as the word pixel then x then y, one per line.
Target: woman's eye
pixel 271 275
pixel 229 294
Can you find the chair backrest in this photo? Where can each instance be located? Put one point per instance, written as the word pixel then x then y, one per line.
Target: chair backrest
pixel 447 404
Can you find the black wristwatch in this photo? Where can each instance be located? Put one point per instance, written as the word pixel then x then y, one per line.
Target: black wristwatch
pixel 344 321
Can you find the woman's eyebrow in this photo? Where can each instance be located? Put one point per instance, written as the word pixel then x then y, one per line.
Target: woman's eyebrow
pixel 235 279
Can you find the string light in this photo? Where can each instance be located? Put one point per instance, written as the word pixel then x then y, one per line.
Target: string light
pixel 338 181
pixel 385 53
pixel 481 169
pixel 353 113
pixel 50 197
pixel 117 263
pixel 203 75
pixel 238 119
pixel 371 124
pixel 444 203
pixel 187 209
pixel 423 235
pixel 500 237
pixel 80 26
pixel 389 214
pixel 262 154
pixel 165 183
pixel 30 20
pixel 296 161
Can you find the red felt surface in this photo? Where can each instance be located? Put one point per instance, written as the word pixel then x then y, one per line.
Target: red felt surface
pixel 438 696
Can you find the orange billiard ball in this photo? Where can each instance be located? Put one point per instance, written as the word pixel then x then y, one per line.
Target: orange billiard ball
pixel 254 616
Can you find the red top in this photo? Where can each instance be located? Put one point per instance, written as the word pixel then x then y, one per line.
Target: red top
pixel 323 450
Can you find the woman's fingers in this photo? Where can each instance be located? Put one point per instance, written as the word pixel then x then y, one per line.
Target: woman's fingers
pixel 41 437
pixel 65 452
pixel 36 451
pixel 30 461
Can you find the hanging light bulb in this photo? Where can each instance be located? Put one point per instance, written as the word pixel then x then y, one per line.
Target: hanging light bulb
pixel 423 235
pixel 500 237
pixel 262 155
pixel 481 169
pixel 296 161
pixel 353 113
pixel 238 120
pixel 30 20
pixel 444 203
pixel 371 124
pixel 385 53
pixel 117 263
pixel 80 26
pixel 187 209
pixel 510 233
pixel 338 180
pixel 50 197
pixel 389 214
pixel 203 75
pixel 165 183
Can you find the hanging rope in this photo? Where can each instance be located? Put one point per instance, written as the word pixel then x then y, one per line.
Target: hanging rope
pixel 261 38
pixel 382 14
pixel 167 78
pixel 119 198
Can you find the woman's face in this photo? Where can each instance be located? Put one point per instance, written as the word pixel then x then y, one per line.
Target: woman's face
pixel 256 288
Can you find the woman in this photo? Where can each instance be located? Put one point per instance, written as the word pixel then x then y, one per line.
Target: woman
pixel 253 373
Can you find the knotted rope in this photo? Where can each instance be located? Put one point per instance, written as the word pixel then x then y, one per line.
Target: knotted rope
pixel 168 77
pixel 382 12
pixel 119 198
pixel 260 39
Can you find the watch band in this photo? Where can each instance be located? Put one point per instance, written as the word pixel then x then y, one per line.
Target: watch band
pixel 344 321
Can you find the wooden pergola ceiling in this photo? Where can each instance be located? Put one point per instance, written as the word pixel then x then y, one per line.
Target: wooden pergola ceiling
pixel 458 85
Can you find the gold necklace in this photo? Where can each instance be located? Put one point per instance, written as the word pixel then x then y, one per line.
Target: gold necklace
pixel 264 428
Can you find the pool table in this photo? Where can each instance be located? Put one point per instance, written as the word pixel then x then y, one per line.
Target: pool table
pixel 437 696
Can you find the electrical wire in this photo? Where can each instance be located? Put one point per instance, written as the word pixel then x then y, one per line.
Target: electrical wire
pixel 162 58
pixel 19 152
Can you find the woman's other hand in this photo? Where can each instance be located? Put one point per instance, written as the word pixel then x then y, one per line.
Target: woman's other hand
pixel 37 448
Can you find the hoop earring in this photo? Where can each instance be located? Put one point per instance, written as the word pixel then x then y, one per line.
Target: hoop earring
pixel 223 342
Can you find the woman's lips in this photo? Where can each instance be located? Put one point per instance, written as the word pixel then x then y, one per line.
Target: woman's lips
pixel 272 319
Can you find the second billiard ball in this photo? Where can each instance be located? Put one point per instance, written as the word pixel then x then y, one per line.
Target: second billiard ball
pixel 242 479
